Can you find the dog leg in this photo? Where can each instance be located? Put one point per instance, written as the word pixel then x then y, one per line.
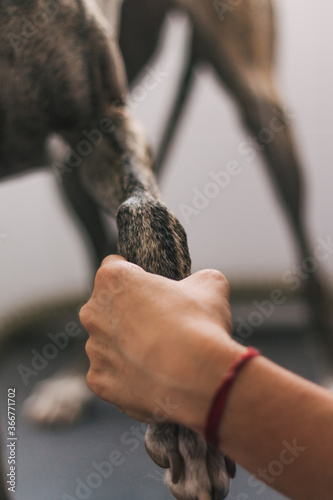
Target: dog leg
pixel 140 28
pixel 87 210
pixel 240 44
pixel 83 89
pixel 119 174
pixel 184 90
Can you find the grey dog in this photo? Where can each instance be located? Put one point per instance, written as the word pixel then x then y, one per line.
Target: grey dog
pixel 61 73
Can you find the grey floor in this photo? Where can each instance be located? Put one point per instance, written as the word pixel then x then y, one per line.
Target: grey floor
pixel 52 462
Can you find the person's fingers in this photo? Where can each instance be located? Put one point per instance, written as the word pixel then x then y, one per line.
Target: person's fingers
pixel 212 292
pixel 210 281
pixel 111 259
pixel 87 317
pixel 100 385
pixel 117 263
pixel 115 272
pixel 102 293
pixel 96 351
pixel 115 276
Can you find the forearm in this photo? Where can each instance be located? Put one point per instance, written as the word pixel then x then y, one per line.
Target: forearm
pixel 280 427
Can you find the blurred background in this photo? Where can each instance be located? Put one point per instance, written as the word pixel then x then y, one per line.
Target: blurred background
pixel 242 232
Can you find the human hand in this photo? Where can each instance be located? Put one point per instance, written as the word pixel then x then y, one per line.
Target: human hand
pixel 154 339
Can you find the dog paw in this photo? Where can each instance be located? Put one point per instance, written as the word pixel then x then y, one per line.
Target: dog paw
pixel 196 470
pixel 152 237
pixel 60 400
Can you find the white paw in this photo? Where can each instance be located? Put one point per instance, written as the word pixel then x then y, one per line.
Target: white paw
pixel 196 471
pixel 60 400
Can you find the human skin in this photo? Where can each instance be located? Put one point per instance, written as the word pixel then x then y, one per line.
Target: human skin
pixel 151 338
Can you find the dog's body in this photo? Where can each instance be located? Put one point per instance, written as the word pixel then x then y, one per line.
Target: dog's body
pixel 61 73
pixel 238 40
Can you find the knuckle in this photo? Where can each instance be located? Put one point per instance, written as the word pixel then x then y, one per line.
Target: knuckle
pixel 219 281
pixel 93 382
pixel 98 385
pixel 215 275
pixel 102 276
pixel 226 286
pixel 89 349
pixel 87 317
pixel 112 277
pixel 96 353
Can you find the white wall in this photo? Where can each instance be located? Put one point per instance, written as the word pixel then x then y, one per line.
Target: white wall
pixel 243 231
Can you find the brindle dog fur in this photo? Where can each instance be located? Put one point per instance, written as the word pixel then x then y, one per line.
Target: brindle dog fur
pixel 66 77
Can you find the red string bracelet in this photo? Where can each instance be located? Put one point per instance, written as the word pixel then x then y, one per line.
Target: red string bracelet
pixel 219 402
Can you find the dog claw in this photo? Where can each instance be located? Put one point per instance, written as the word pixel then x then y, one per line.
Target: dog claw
pixel 177 467
pixel 231 466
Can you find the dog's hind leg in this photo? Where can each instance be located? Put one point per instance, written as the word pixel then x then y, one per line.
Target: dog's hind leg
pixel 240 45
pixel 63 398
pixel 119 174
pixel 103 241
pixel 140 29
pixel 183 94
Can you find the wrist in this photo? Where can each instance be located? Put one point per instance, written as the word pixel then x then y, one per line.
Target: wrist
pixel 215 358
